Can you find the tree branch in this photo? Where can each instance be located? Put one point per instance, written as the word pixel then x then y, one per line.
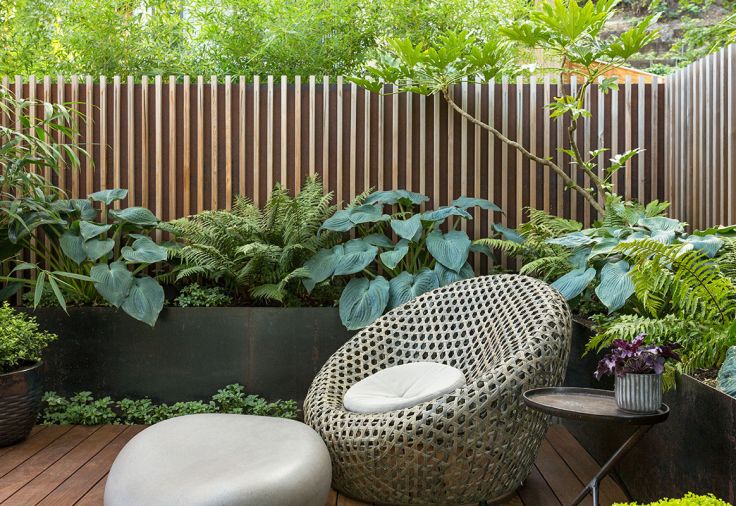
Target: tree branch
pixel 542 161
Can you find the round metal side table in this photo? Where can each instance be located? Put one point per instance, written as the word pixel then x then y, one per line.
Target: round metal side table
pixel 593 405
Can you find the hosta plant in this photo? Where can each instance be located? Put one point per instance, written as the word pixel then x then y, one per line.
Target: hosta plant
pixel 96 259
pixel 596 264
pixel 395 255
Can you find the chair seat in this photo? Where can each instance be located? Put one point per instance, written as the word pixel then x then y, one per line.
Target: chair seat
pixel 216 459
pixel 402 386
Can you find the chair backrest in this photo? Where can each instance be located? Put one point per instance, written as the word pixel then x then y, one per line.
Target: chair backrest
pixel 472 324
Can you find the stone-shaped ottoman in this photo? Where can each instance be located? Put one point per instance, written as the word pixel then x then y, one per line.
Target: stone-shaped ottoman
pixel 224 460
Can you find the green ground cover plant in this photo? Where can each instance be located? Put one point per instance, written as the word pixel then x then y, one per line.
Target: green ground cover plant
pixel 689 499
pixel 83 409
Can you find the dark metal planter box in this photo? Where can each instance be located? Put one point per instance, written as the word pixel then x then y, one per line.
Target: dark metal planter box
pixel 191 352
pixel 694 450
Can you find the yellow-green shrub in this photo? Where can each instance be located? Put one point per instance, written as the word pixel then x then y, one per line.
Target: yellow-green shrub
pixel 690 499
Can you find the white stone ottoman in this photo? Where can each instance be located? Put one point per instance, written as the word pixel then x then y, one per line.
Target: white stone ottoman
pixel 224 460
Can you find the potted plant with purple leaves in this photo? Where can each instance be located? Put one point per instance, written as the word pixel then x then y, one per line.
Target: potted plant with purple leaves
pixel 638 369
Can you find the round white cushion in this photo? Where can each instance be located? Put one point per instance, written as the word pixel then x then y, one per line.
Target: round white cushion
pixel 402 386
pixel 214 459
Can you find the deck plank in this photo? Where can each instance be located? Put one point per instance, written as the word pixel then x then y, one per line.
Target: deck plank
pixel 80 484
pixel 582 464
pixel 42 460
pixel 43 484
pixel 64 466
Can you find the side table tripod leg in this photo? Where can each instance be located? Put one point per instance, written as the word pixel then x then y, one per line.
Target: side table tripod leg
pixel 594 484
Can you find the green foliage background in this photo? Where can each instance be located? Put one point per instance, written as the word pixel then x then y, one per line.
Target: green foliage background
pixel 240 37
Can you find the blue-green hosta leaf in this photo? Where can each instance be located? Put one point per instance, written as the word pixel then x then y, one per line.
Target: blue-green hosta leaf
pixel 356 256
pixel 363 301
pixel 604 246
pixel 446 276
pixel 579 259
pixel 664 236
pixel 84 208
pixel 338 222
pixel 574 282
pixel 108 196
pixel 661 223
pixel 145 300
pixel 572 240
pixel 409 229
pixel 73 246
pixel 322 265
pixel 379 240
pixel 466 202
pixel 135 215
pixel 727 230
pixel 96 248
pixel 365 214
pixel 392 257
pixel 481 248
pixel 508 234
pixel 708 244
pixel 443 212
pixel 90 230
pixel 144 251
pixel 636 236
pixel 391 197
pixel 450 249
pixel 406 286
pixel 615 286
pixel 112 281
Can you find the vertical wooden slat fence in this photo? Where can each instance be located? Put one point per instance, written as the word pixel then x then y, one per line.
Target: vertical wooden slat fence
pixel 185 145
pixel 699 133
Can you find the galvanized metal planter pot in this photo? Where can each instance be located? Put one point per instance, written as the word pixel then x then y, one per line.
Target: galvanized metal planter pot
pixel 20 400
pixel 639 393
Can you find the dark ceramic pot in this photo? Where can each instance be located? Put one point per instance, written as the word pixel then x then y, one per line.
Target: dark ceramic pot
pixel 20 399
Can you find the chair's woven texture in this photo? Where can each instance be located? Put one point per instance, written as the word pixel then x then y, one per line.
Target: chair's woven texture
pixel 507 333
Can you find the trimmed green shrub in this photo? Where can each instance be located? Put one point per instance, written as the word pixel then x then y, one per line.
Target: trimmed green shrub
pixel 21 342
pixel 690 499
pixel 194 295
pixel 83 409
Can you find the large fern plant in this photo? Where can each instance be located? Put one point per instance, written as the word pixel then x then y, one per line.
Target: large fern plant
pixel 681 295
pixel 258 255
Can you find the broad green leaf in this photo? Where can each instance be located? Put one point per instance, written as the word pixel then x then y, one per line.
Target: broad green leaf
pixel 392 257
pixel 73 246
pixel 450 249
pixel 112 281
pixel 356 256
pixel 406 286
pixel 84 208
pixel 57 293
pixel 96 249
pixel 446 276
pixel 144 251
pixel 728 231
pixel 145 300
pixel 38 292
pixel 338 222
pixel 466 202
pixel 379 240
pixel 707 244
pixel 604 246
pixel 363 301
pixel 9 290
pixel 135 215
pixel 391 197
pixel 108 196
pixel 574 282
pixel 662 223
pixel 509 234
pixel 322 265
pixel 365 214
pixel 88 230
pixel 444 212
pixel 615 286
pixel 408 229
pixel 573 240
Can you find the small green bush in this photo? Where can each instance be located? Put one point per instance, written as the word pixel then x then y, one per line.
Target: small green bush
pixel 21 342
pixel 194 295
pixel 690 499
pixel 83 409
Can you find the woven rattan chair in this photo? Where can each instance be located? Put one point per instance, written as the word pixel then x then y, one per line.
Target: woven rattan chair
pixel 506 333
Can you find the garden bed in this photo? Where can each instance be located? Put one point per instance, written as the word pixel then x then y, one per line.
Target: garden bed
pixel 191 352
pixel 694 450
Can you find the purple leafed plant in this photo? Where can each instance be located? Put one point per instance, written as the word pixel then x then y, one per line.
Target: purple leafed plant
pixel 636 357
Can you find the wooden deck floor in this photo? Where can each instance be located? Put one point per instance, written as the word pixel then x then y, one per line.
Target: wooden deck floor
pixel 68 465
